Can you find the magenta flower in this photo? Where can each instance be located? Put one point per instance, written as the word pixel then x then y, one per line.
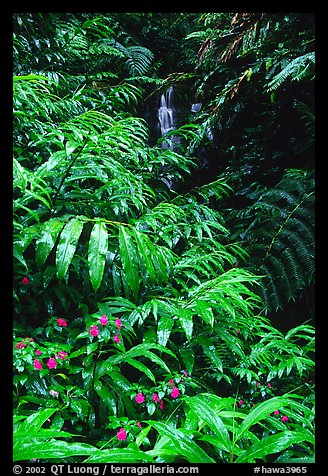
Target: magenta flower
pixel 241 402
pixel 37 364
pixel 258 384
pixel 185 374
pixel 171 383
pixel 155 397
pixel 61 355
pixel 121 434
pixel 38 352
pixel 140 398
pixel 117 339
pixel 94 331
pixel 284 418
pixel 20 345
pixel 118 323
pixel 175 392
pixel 269 385
pixel 161 404
pixel 139 424
pixel 52 363
pixel 25 281
pixel 276 412
pixel 103 320
pixel 53 393
pixel 237 331
pixel 61 322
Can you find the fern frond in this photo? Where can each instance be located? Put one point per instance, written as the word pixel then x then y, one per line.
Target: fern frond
pixel 139 60
pixel 280 237
pixel 299 68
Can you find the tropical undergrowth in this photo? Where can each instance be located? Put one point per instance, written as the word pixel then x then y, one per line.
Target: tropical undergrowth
pixel 139 335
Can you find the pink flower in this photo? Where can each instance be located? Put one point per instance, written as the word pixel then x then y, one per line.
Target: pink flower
pixel 37 364
pixel 103 320
pixel 61 322
pixel 276 412
pixel 161 404
pixel 20 345
pixel 52 363
pixel 175 392
pixel 61 355
pixel 53 393
pixel 94 331
pixel 237 331
pixel 241 402
pixel 139 398
pixel 170 383
pixel 284 418
pixel 139 424
pixel 258 384
pixel 269 385
pixel 121 434
pixel 38 352
pixel 185 374
pixel 155 397
pixel 117 339
pixel 25 281
pixel 118 323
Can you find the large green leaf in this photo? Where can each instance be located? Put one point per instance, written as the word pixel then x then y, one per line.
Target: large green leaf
pixel 34 422
pixel 47 239
pixel 98 245
pixel 119 455
pixel 207 412
pixel 142 350
pixel 52 449
pixel 182 443
pixel 129 260
pixel 145 248
pixel 164 328
pixel 106 396
pixel 274 444
pixel 68 240
pixel 142 367
pixel 261 411
pixel 186 321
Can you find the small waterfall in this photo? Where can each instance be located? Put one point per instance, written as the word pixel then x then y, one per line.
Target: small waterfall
pixel 196 107
pixel 166 118
pixel 165 112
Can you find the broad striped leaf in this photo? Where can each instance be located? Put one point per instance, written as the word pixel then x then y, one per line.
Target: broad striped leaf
pixel 205 411
pixel 182 443
pixel 185 319
pixel 68 240
pixel 164 328
pixel 261 411
pixel 34 422
pixel 145 252
pixel 142 367
pixel 98 245
pixel 274 444
pixel 129 260
pixel 106 396
pixel 47 240
pixel 51 449
pixel 119 455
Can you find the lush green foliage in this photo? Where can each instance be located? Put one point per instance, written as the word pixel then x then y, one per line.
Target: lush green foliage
pixel 140 331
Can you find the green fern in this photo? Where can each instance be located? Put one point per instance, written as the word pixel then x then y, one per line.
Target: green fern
pixel 280 238
pixel 297 69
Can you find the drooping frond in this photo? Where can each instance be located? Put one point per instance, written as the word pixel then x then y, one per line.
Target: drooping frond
pixel 280 238
pixel 297 69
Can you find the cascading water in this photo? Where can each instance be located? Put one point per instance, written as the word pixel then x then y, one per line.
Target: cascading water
pixel 166 118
